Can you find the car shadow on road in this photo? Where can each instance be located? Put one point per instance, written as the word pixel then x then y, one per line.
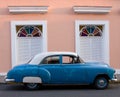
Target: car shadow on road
pixel 20 87
pixel 65 87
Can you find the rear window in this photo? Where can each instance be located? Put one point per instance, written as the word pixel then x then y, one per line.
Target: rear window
pixel 51 60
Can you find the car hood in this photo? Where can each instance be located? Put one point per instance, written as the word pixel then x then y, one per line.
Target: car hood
pixel 97 64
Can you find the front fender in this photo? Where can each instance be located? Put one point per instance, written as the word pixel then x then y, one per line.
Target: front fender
pixel 93 73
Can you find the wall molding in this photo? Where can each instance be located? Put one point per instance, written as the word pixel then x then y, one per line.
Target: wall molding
pixel 27 9
pixel 92 9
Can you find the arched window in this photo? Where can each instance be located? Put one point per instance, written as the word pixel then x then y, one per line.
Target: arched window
pixel 91 30
pixel 29 31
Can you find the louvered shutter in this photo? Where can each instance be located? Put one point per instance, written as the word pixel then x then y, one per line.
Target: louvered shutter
pixel 91 48
pixel 27 48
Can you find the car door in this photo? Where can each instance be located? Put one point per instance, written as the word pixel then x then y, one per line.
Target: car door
pixel 75 72
pixel 53 65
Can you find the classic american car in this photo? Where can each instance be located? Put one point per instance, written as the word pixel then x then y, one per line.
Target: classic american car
pixel 61 68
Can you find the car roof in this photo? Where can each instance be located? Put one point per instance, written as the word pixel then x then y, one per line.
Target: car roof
pixel 39 57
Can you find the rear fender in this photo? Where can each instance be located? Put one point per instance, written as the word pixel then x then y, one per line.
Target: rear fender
pixel 45 75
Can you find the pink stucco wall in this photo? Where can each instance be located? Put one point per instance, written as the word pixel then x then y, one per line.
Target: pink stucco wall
pixel 60 25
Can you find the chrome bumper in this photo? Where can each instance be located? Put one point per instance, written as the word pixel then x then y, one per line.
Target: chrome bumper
pixel 9 80
pixel 114 78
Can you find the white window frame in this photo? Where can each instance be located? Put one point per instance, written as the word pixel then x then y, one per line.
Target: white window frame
pixel 94 22
pixel 13 36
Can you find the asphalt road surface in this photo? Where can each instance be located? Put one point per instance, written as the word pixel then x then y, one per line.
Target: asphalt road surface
pixel 59 91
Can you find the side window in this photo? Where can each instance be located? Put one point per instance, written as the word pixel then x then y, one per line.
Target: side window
pixel 51 60
pixel 67 59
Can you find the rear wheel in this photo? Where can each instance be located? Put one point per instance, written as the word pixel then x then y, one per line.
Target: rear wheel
pixel 32 86
pixel 101 83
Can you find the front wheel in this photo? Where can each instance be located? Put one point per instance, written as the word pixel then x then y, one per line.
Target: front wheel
pixel 101 83
pixel 32 86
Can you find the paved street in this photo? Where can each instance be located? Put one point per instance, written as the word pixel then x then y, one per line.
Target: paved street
pixel 59 91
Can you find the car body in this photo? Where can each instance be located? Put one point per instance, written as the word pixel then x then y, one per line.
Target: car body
pixel 61 68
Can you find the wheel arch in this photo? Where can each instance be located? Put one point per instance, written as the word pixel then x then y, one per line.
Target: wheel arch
pixel 43 76
pixel 102 75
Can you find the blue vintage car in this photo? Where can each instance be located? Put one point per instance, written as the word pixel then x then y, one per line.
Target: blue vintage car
pixel 61 68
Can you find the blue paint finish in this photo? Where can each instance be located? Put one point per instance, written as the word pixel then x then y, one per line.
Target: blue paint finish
pixel 44 74
pixel 56 73
pixel 79 73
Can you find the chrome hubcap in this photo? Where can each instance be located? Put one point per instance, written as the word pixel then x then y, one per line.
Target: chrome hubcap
pixel 32 85
pixel 102 83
